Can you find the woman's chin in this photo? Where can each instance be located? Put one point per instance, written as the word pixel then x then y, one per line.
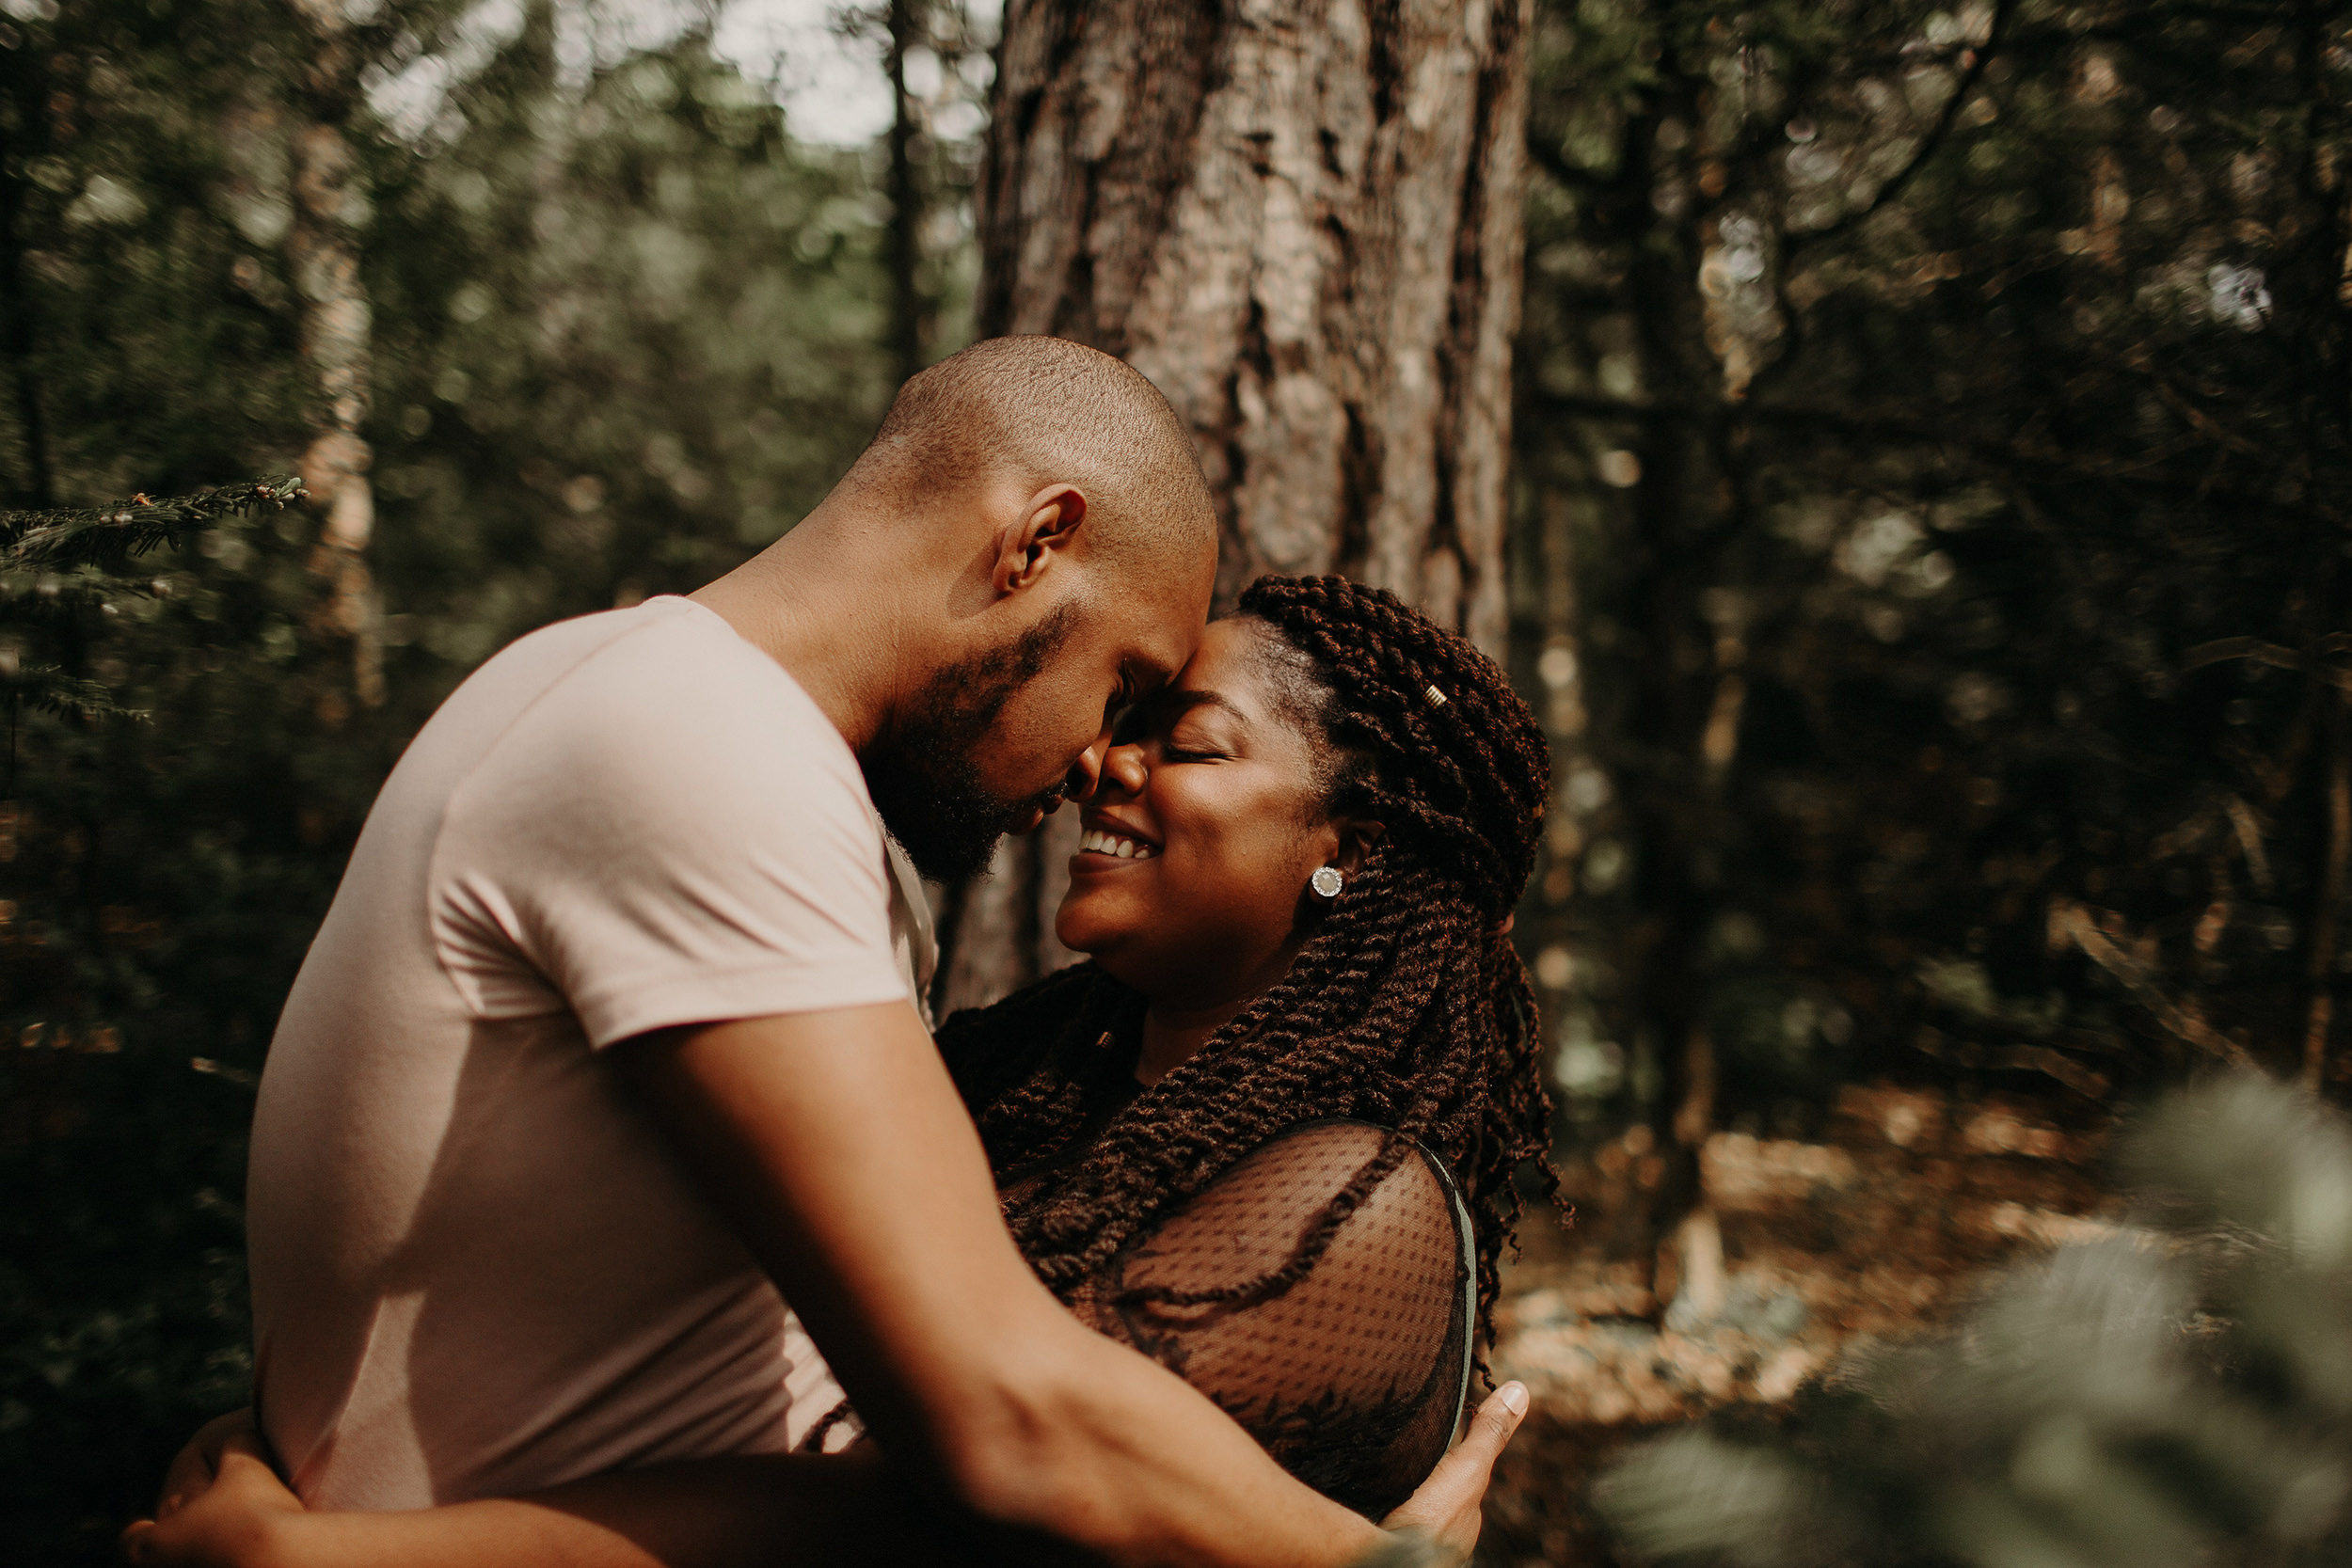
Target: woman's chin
pixel 1096 920
pixel 1082 928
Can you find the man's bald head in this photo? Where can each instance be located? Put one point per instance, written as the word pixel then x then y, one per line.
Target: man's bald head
pixel 1036 411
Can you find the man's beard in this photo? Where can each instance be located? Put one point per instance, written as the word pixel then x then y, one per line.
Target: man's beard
pixel 921 769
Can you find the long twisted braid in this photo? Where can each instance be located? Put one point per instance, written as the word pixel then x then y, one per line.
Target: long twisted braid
pixel 1408 1008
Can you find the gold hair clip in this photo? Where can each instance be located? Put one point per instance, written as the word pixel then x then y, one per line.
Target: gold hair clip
pixel 1435 697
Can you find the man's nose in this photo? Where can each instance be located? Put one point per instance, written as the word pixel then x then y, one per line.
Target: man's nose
pixel 1085 774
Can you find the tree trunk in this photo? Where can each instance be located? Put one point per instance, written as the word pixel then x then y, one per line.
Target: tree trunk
pixel 1301 219
pixel 330 205
pixel 21 78
pixel 910 311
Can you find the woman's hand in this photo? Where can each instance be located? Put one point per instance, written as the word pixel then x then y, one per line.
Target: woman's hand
pixel 221 1503
pixel 1442 1517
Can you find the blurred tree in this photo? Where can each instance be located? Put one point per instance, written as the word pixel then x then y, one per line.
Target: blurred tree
pixel 330 206
pixel 930 50
pixel 1304 226
pixel 910 324
pixel 1933 436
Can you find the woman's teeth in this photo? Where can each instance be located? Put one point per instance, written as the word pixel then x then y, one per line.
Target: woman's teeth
pixel 1112 844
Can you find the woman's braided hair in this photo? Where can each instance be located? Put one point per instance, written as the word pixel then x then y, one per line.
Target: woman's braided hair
pixel 1407 1008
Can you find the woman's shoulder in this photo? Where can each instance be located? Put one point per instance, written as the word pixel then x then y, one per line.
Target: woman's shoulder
pixel 1405 1221
pixel 1319 1290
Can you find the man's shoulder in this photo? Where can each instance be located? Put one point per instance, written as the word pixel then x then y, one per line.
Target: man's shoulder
pixel 621 652
pixel 665 688
pixel 658 820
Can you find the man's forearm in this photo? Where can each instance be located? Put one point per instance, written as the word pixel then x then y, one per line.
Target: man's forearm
pixel 1115 1452
pixel 838 1149
pixel 754 1512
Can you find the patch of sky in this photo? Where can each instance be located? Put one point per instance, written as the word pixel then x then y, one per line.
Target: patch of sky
pixel 828 81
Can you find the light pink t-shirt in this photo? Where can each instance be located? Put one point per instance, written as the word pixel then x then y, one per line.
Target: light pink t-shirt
pixel 476 1269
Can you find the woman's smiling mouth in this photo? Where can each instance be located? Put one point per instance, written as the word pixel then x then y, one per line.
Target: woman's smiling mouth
pixel 1095 841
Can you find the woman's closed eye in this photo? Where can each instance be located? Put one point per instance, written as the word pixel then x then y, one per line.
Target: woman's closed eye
pixel 1180 748
pixel 1194 733
pixel 1179 726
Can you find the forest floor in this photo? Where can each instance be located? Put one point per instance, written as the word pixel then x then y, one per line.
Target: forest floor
pixel 1870 1233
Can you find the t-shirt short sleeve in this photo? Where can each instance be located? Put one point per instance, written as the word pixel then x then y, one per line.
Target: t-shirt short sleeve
pixel 671 832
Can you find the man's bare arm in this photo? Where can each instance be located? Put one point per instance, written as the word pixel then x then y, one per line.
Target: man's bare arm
pixel 224 1507
pixel 836 1144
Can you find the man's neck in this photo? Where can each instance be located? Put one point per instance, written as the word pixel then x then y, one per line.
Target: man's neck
pixel 809 602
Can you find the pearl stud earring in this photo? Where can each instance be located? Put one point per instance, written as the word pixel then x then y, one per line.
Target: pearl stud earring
pixel 1327 882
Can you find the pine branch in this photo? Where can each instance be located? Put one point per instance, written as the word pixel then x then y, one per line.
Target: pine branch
pixel 46 688
pixel 109 535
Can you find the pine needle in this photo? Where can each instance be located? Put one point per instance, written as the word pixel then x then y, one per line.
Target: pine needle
pixel 111 535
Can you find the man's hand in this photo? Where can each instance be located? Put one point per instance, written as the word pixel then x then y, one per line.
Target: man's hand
pixel 195 1466
pixel 219 1504
pixel 1444 1513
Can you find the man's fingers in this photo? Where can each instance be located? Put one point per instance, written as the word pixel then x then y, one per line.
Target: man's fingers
pixel 193 1467
pixel 246 1443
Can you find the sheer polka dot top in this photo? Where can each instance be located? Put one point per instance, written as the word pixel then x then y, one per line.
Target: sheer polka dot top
pixel 1352 1374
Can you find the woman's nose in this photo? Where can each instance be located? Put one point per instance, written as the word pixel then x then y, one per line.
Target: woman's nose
pixel 1123 769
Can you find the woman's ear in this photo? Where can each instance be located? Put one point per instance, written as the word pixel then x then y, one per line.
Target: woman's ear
pixel 1356 842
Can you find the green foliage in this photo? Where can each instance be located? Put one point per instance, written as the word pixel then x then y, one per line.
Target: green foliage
pixel 110 536
pixel 624 338
pixel 157 877
pixel 64 566
pixel 163 852
pixel 2174 1394
pixel 1935 440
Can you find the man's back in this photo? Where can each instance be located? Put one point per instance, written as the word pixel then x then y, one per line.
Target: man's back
pixel 476 1269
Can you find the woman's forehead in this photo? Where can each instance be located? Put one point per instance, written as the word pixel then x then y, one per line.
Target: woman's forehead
pixel 1226 665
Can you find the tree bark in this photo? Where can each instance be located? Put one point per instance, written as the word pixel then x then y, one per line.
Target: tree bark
pixel 1301 219
pixel 330 206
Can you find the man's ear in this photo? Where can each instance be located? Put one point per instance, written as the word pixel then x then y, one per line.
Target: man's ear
pixel 1046 527
pixel 1357 841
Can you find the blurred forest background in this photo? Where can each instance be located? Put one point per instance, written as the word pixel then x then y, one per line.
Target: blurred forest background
pixel 1928 549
